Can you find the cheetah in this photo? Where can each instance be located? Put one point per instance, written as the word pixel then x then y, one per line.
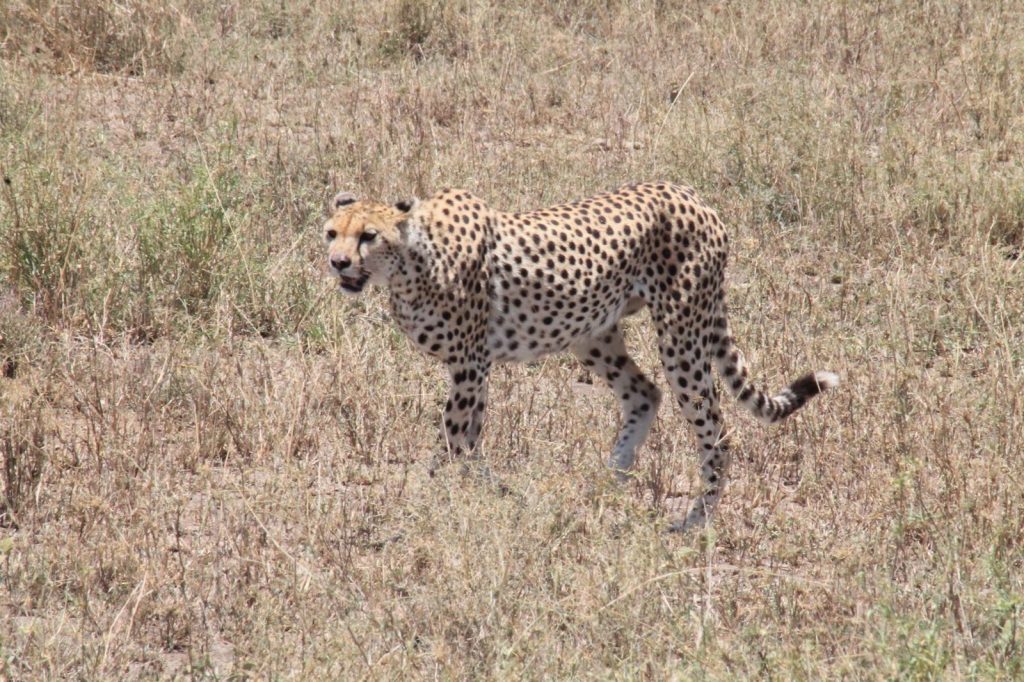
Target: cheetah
pixel 473 286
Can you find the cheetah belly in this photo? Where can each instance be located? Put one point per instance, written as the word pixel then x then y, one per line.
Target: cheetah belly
pixel 523 328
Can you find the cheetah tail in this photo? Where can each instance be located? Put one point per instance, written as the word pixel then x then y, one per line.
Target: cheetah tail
pixel 769 409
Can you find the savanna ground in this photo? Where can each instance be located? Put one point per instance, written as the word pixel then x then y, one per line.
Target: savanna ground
pixel 215 466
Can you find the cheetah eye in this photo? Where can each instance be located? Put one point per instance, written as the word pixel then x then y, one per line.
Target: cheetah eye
pixel 331 234
pixel 367 237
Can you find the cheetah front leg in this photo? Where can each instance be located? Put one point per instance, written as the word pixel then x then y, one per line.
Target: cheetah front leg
pixel 638 398
pixel 464 411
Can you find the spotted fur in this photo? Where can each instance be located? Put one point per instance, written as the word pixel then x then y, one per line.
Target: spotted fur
pixel 473 286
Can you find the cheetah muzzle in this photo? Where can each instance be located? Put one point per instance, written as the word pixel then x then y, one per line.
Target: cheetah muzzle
pixel 353 285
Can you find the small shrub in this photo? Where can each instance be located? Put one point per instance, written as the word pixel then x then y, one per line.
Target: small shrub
pixel 134 37
pixel 20 337
pixel 22 446
pixel 45 231
pixel 426 27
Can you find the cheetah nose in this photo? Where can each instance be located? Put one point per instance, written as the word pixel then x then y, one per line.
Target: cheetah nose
pixel 340 263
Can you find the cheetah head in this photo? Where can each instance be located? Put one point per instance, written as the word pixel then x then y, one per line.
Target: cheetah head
pixel 365 241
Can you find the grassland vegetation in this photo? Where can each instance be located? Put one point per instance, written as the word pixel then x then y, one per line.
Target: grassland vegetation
pixel 214 465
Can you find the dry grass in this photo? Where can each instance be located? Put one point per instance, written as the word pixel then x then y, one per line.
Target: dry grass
pixel 214 467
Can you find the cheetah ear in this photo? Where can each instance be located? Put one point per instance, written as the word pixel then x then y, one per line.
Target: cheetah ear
pixel 342 199
pixel 407 205
pixel 403 225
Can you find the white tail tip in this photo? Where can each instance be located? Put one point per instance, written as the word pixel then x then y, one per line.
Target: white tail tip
pixel 826 380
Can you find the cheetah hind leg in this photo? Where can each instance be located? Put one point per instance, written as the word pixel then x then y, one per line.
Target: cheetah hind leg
pixel 606 356
pixel 701 410
pixel 687 366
